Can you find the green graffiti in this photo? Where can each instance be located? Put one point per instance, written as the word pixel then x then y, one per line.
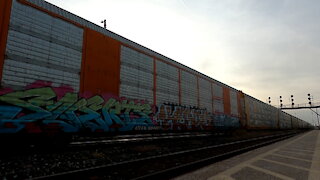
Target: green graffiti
pixel 79 105
pixel 37 97
pixel 62 105
pixel 95 103
pixel 73 112
pixel 116 107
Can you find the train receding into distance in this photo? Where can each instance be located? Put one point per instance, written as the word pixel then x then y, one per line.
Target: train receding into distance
pixel 63 74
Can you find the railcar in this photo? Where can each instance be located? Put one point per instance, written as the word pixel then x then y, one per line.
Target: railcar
pixel 63 74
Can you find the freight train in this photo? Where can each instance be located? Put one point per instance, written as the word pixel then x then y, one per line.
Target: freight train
pixel 63 74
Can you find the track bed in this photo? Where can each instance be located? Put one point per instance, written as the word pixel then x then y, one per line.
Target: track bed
pixel 82 157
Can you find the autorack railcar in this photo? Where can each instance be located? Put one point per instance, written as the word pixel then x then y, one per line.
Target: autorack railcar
pixel 63 74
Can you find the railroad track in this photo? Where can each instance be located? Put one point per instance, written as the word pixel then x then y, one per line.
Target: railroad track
pixel 27 163
pixel 169 165
pixel 138 138
pixel 90 143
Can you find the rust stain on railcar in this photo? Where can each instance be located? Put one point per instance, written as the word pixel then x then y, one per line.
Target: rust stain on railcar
pixel 5 11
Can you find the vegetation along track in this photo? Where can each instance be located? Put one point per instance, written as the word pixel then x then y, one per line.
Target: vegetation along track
pixel 169 165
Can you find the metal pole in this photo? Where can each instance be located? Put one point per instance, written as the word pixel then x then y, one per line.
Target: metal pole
pixel 313 120
pixel 318 117
pixel 316 112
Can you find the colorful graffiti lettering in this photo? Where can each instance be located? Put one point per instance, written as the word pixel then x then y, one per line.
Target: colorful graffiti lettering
pixel 40 109
pixel 43 108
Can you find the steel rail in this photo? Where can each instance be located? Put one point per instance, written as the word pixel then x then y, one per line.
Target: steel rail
pixel 87 171
pixel 135 139
pixel 171 172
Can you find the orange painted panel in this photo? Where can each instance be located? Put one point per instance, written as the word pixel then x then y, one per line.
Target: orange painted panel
pixel 101 64
pixel 226 99
pixel 5 10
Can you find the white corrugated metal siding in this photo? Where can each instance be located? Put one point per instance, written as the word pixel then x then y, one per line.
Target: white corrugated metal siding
pixel 261 115
pixel 285 121
pixel 234 103
pixel 167 83
pixel 270 115
pixel 136 75
pixel 295 122
pixel 97 28
pixel 189 90
pixel 40 47
pixel 108 33
pixel 205 94
pixel 254 118
pixel 218 105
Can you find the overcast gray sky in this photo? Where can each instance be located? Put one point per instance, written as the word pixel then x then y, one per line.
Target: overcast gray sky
pixel 264 48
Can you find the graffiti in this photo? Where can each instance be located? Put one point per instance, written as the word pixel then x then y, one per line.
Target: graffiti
pixel 176 117
pixel 222 121
pixel 44 109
